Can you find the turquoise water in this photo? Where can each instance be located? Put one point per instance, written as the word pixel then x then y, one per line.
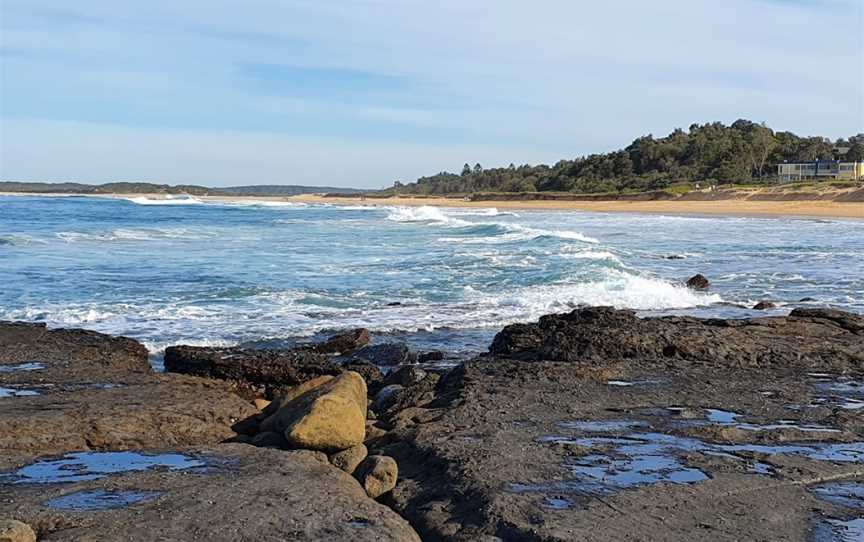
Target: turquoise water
pixel 183 271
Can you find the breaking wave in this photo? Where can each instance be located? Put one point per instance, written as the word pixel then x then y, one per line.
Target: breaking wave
pixel 167 200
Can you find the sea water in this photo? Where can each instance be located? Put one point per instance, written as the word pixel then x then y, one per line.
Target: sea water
pixel 186 271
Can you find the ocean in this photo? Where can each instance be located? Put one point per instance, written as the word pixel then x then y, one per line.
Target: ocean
pixel 268 274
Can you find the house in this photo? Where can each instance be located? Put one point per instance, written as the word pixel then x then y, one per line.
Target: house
pixel 820 169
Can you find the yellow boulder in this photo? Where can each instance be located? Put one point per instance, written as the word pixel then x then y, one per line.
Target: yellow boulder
pixel 329 418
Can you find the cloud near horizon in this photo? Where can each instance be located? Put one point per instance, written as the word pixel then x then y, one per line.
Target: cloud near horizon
pixel 360 93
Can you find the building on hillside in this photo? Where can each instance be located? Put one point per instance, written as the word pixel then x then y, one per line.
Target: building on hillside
pixel 820 169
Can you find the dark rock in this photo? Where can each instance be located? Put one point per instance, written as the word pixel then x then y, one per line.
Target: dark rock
pixel 674 257
pixel 698 282
pixel 370 372
pixel 270 439
pixel 97 392
pixel 70 356
pixel 387 354
pixel 486 461
pixel 434 355
pixel 763 305
pixel 407 375
pixel 344 343
pixel 603 335
pixel 394 304
pixel 248 493
pixel 385 398
pixel 252 372
pixel 806 300
pixel 404 397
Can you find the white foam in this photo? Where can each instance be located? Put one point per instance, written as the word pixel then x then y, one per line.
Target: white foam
pixel 128 234
pixel 423 214
pixel 167 200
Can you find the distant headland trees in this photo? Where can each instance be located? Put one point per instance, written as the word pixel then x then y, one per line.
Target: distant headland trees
pixel 713 153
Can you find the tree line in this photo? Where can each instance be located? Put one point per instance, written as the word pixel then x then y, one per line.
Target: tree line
pixel 712 153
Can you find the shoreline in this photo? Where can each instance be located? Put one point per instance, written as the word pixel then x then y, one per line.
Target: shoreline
pixel 729 207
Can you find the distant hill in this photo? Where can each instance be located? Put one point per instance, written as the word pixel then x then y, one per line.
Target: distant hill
pixel 151 188
pixel 285 190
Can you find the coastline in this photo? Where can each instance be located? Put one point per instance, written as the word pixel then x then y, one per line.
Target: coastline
pixel 726 207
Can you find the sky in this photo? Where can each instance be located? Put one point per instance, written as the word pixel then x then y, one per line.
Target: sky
pixel 360 93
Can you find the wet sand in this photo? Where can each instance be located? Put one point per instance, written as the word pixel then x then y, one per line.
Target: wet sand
pixel 728 207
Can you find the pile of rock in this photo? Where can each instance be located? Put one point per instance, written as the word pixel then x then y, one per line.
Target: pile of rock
pixel 325 414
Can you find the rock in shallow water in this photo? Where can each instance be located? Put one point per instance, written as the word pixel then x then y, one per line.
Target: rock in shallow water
pixel 698 282
pixel 605 335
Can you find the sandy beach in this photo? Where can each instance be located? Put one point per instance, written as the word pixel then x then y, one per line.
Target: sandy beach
pixel 722 207
pixel 730 207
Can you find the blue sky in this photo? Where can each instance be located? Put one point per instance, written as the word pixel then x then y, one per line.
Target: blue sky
pixel 365 92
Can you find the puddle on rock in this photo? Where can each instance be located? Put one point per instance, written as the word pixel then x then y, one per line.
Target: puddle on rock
pixel 99 499
pixel 29 366
pixel 17 392
pixel 837 530
pixel 555 503
pixel 642 456
pixel 845 393
pixel 848 494
pixel 83 466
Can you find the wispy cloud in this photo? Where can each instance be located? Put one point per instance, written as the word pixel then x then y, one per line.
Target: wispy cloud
pixel 509 80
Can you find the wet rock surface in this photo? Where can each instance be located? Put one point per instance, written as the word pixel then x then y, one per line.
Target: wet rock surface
pixel 594 425
pixel 250 372
pixel 96 392
pixel 834 339
pixel 550 451
pixel 244 493
pixel 34 354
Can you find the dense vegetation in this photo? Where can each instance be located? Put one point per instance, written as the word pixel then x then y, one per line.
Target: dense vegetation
pixel 708 153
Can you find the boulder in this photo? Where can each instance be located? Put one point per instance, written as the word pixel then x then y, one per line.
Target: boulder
pixel 407 375
pixel 344 343
pixel 698 282
pixel 434 355
pixel 763 305
pixel 386 397
pixel 329 418
pixel 378 475
pixel 16 531
pixel 603 335
pixel 387 354
pixel 349 459
pixel 251 372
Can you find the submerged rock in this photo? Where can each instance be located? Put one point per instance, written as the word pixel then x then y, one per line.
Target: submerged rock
pixel 698 282
pixel 604 335
pixel 763 306
pixel 378 475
